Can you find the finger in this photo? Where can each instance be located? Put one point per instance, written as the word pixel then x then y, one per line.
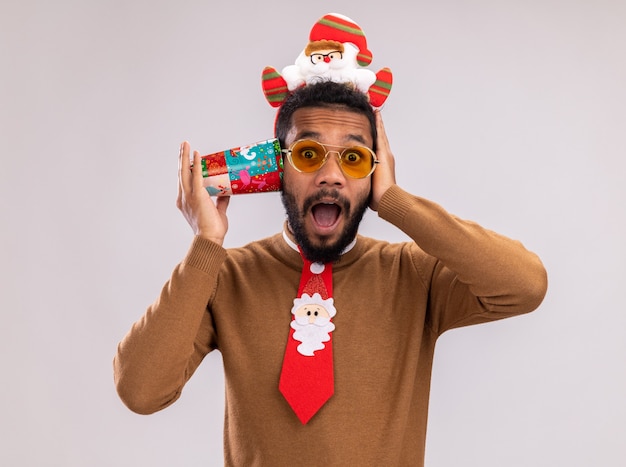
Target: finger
pixel 382 142
pixel 196 172
pixel 385 174
pixel 179 199
pixel 221 203
pixel 383 149
pixel 183 172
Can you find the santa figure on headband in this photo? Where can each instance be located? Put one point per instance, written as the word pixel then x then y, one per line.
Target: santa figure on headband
pixel 337 51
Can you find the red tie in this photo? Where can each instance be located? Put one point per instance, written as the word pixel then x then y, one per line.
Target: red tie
pixel 306 380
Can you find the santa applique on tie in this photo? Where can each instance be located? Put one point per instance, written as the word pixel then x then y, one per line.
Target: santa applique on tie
pixel 307 379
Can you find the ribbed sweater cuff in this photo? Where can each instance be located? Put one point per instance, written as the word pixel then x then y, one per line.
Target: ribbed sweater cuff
pixel 205 255
pixel 394 205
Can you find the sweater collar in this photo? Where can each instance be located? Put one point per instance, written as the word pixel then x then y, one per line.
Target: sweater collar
pixel 293 245
pixel 283 245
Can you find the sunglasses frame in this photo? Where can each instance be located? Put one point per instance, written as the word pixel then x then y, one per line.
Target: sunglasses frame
pixel 327 152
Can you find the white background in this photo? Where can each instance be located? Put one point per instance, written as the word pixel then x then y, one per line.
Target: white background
pixel 510 113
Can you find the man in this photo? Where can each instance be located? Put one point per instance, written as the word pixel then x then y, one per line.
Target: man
pixel 390 302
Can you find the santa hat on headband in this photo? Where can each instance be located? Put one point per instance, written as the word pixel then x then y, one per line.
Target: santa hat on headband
pixel 340 28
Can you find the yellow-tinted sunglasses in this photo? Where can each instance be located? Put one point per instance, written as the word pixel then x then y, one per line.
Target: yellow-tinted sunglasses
pixel 309 156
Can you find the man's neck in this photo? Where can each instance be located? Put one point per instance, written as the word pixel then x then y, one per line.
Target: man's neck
pixel 288 234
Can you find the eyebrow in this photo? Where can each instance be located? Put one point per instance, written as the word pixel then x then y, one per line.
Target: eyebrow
pixel 315 135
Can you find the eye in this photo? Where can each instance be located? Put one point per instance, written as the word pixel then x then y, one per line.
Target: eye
pixel 334 55
pixel 352 156
pixel 316 58
pixel 309 153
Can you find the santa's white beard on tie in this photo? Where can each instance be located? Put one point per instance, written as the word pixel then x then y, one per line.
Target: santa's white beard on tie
pixel 312 335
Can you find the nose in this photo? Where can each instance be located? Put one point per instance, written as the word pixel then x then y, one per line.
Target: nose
pixel 330 174
pixel 327 59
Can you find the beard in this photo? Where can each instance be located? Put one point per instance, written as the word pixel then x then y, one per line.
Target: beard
pixel 326 251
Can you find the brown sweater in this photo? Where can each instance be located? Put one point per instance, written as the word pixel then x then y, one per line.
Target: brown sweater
pixel 392 300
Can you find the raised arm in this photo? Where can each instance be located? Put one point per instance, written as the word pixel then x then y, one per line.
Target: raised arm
pixel 165 346
pixel 478 270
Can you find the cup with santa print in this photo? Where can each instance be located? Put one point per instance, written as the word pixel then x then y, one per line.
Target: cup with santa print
pixel 256 168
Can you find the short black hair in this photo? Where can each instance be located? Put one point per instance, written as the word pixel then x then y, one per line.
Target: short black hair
pixel 324 94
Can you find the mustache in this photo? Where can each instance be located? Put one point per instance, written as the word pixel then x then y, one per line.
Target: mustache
pixel 325 193
pixel 303 322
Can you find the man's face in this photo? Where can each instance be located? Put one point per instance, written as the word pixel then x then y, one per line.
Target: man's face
pixel 324 208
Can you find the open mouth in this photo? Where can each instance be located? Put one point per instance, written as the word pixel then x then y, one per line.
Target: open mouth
pixel 326 214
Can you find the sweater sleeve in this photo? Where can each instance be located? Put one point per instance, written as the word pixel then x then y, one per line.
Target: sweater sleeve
pixel 479 275
pixel 165 346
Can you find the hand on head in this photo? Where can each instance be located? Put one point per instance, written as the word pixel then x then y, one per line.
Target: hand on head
pixel 385 174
